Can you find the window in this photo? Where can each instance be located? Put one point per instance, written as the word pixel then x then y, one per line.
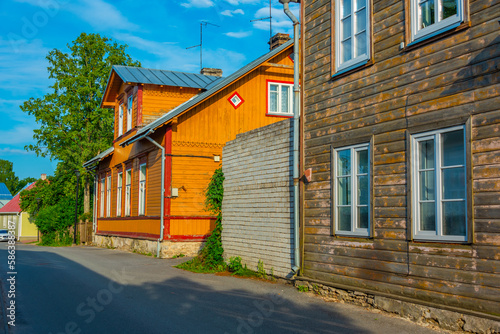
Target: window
pixel 352 33
pixel 128 183
pixel 120 120
pixel 142 190
pixel 119 187
pixel 279 98
pixel 101 209
pixel 434 16
pixel 439 191
pixel 352 190
pixel 108 196
pixel 130 104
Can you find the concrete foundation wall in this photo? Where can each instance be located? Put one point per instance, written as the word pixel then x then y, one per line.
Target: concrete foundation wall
pixel 257 210
pixel 168 249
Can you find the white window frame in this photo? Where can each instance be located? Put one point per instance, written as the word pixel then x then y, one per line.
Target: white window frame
pixel 354 61
pixel 438 26
pixel 130 104
pixel 120 119
pixel 142 189
pixel 128 194
pixel 103 186
pixel 438 186
pixel 290 98
pixel 119 190
pixel 355 231
pixel 108 196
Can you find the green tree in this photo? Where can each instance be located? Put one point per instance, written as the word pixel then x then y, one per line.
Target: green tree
pixel 8 176
pixel 72 126
pixel 24 182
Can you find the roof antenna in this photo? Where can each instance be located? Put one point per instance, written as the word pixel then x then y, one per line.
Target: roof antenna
pixel 270 18
pixel 202 24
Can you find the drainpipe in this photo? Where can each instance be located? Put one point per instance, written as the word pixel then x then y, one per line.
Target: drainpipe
pixel 162 205
pixel 296 111
pixel 94 211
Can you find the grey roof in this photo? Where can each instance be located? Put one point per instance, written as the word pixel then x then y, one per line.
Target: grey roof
pixel 200 97
pixel 4 192
pixel 98 157
pixel 162 77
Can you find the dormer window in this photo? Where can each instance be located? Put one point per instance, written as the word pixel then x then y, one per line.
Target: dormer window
pixel 130 104
pixel 120 120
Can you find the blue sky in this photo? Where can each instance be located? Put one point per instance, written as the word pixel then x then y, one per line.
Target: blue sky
pixel 157 32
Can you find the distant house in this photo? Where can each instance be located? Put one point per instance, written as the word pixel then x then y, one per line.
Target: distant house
pixel 11 212
pixel 401 132
pixel 5 195
pixel 189 117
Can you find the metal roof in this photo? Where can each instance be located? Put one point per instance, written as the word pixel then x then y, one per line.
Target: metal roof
pixel 98 157
pixel 4 192
pixel 162 77
pixel 13 205
pixel 212 89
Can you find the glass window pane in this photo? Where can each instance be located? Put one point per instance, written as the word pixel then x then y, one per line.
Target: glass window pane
pixel 344 191
pixel 346 7
pixel 273 102
pixel 426 14
pixel 363 217
pixel 360 44
pixel 143 173
pixel 426 154
pixel 360 20
pixel 449 8
pixel 285 91
pixel 453 148
pixel 454 218
pixel 453 183
pixel 427 216
pixel 363 190
pixel 344 162
pixel 344 217
pixel 360 4
pixel 273 88
pixel 346 28
pixel 346 50
pixel 362 157
pixel 427 186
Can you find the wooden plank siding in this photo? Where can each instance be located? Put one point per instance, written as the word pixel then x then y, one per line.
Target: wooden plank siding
pixel 196 137
pixel 451 81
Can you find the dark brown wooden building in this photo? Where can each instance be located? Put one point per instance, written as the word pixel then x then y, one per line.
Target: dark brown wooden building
pixel 401 126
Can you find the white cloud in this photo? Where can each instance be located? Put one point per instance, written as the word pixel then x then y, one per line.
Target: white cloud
pixel 229 12
pixel 9 150
pixel 238 2
pixel 198 4
pixel 241 34
pixel 98 13
pixel 21 134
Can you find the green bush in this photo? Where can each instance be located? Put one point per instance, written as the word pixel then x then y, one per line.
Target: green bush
pixel 234 264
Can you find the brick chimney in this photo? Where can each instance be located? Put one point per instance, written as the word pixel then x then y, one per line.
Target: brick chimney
pixel 278 40
pixel 43 176
pixel 215 72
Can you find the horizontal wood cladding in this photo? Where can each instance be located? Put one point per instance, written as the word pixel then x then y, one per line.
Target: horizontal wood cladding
pixel 130 226
pixel 452 81
pixel 192 167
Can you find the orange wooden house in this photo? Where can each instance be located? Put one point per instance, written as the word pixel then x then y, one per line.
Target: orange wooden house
pixel 186 118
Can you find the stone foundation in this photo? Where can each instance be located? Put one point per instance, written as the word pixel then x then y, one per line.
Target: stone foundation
pixel 423 315
pixel 168 248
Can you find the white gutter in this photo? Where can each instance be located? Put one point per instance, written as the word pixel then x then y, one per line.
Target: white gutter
pixel 162 205
pixel 296 112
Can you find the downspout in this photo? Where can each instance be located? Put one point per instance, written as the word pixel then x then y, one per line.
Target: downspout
pixel 296 115
pixel 162 205
pixel 94 211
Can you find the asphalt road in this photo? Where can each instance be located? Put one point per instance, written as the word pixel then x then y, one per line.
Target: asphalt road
pixel 93 290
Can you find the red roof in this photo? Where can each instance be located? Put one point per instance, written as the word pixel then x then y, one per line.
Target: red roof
pixel 13 205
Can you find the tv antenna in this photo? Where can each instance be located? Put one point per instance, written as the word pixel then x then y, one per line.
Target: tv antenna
pixel 270 18
pixel 202 24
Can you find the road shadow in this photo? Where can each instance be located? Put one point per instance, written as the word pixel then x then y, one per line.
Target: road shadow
pixel 57 295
